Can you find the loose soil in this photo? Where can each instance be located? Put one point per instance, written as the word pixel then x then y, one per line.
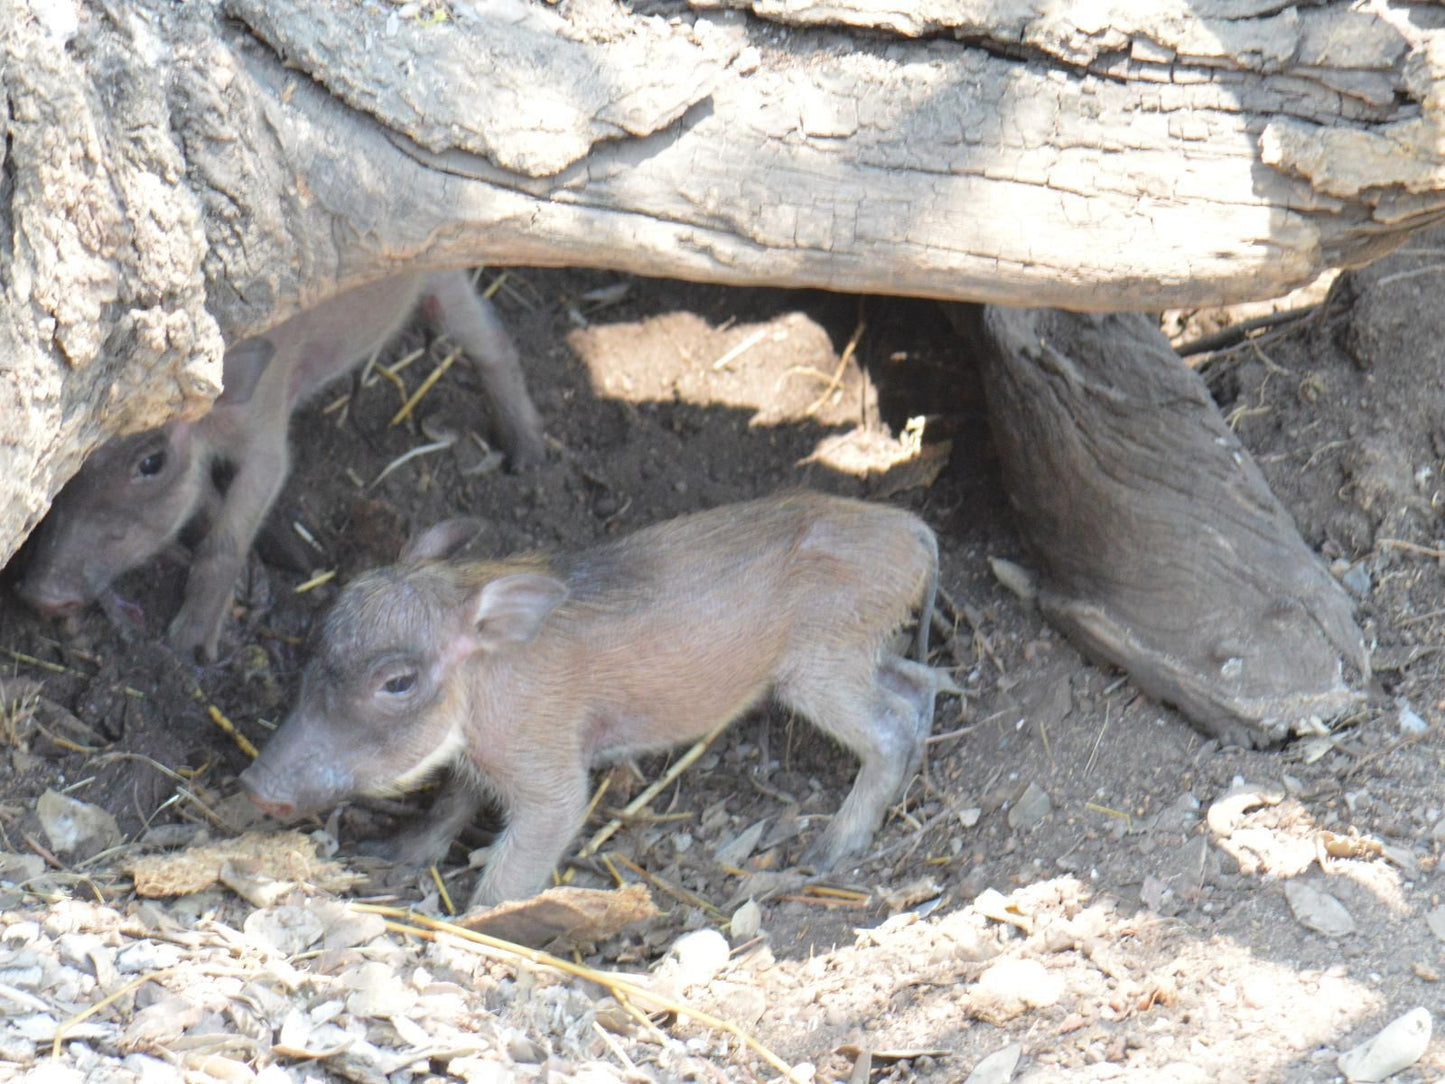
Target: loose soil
pixel 1064 876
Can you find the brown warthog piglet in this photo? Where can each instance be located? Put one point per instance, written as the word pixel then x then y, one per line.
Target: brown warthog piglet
pixel 135 493
pixel 521 674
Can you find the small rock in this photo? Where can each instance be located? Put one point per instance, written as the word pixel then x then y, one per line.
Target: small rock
pixel 256 888
pixel 1436 921
pixel 1226 813
pixel 159 1025
pixel 1157 896
pixel 1034 805
pixel 741 1003
pixel 1015 578
pixel 76 827
pixel 14 1048
pixel 147 956
pixel 995 905
pixel 734 852
pixel 351 928
pixel 1357 580
pixel 376 990
pixel 1410 721
pixel 16 868
pixel 522 1049
pixel 1399 1044
pixel 41 1027
pixel 211 1066
pixel 1401 856
pixel 1009 987
pixel 969 817
pixel 288 930
pixel 747 921
pixel 904 896
pixel 998 1067
pixel 21 933
pixel 164 837
pixel 748 60
pixel 700 955
pixel 1317 910
pixel 478 1069
pixel 22 973
pixel 1186 1072
pixel 51 1072
pixel 1259 991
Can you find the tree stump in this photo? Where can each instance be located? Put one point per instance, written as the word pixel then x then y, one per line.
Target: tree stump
pixel 1161 550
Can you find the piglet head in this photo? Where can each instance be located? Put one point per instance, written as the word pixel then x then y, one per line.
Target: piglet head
pixel 127 502
pixel 389 696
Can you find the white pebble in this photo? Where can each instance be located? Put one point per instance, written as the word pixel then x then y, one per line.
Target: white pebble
pixel 700 954
pixel 1399 1044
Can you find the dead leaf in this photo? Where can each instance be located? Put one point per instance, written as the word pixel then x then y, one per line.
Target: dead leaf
pixel 159 1025
pixel 576 914
pixel 1349 846
pixel 257 889
pixel 288 856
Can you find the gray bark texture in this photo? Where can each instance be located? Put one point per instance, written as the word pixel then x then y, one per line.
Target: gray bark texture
pixel 1160 547
pixel 179 175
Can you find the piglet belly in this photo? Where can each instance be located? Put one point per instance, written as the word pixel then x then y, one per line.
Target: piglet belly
pixel 661 723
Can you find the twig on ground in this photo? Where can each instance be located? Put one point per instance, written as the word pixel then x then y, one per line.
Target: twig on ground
pixel 426 386
pixel 1243 331
pixel 1414 272
pixel 243 742
pixel 415 925
pixel 407 457
pixel 843 361
pixel 109 999
pixel 820 901
pixel 31 660
pixel 314 582
pixel 682 895
pixel 1409 547
pixel 1094 752
pixel 446 896
pixel 681 765
pixel 742 348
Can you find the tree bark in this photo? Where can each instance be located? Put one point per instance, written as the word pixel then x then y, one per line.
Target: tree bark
pixel 1159 546
pixel 176 174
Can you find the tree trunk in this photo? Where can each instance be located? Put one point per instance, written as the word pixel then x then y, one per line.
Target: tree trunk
pixel 1160 547
pixel 179 173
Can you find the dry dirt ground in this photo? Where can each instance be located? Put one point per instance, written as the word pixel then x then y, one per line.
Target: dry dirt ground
pixel 1080 879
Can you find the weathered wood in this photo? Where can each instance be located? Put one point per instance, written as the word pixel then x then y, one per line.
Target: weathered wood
pixel 1181 157
pixel 1160 547
pixel 176 173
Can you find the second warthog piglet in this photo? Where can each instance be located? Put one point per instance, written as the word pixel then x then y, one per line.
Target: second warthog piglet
pixel 135 493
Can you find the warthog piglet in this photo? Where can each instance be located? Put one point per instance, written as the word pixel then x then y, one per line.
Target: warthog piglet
pixel 521 674
pixel 135 493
